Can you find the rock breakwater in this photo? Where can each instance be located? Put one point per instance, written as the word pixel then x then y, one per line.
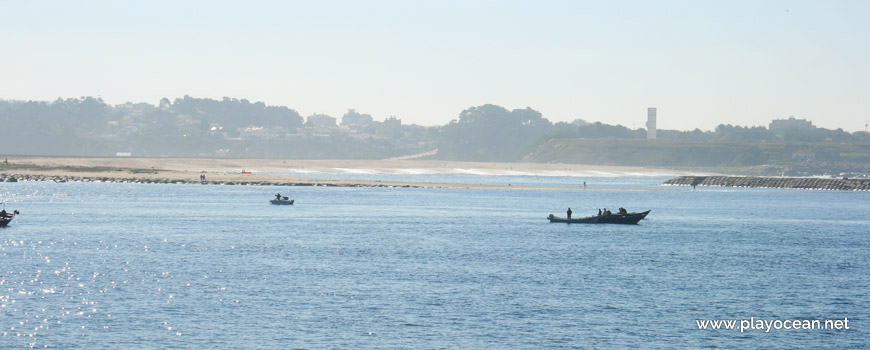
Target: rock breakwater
pixel 772 182
pixel 138 180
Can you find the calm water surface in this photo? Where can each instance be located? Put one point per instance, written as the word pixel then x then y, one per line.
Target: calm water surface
pixel 99 265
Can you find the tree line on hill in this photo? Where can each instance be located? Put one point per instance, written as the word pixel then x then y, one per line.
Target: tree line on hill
pixel 238 128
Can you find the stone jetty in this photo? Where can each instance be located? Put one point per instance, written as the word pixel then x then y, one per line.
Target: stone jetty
pixel 772 182
pixel 115 179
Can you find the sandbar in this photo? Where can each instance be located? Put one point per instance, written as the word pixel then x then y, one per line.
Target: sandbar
pixel 294 172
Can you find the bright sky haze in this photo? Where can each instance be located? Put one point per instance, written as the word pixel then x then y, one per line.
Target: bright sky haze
pixel 701 63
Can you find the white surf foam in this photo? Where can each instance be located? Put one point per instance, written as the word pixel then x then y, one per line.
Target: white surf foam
pixel 357 170
pixel 303 171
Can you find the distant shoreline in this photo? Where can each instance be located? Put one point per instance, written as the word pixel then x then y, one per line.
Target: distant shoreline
pixel 229 171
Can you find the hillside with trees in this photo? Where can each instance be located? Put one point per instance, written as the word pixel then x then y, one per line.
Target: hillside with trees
pixel 491 133
pixel 238 128
pixel 193 127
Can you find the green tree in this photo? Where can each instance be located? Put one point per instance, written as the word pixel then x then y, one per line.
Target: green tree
pixel 492 133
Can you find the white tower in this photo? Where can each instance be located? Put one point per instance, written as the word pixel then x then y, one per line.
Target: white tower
pixel 651 123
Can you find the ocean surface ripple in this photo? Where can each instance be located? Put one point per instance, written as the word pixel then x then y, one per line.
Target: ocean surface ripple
pixel 100 265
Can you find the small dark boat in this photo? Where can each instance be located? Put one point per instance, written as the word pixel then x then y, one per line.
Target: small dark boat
pixel 5 217
pixel 281 200
pixel 617 218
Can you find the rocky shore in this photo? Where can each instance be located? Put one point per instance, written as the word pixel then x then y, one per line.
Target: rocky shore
pixel 167 180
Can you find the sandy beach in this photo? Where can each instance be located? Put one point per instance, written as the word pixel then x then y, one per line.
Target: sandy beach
pixel 261 171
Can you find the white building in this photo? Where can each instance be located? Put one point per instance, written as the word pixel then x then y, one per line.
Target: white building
pixel 780 126
pixel 651 123
pixel 320 121
pixel 356 119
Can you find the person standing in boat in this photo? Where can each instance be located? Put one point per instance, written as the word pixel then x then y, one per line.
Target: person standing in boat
pixel 278 196
pixel 569 213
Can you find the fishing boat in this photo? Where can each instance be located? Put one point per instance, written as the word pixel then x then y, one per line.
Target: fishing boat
pixel 281 200
pixel 618 218
pixel 6 217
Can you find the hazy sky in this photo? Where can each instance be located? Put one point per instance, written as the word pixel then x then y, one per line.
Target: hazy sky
pixel 701 63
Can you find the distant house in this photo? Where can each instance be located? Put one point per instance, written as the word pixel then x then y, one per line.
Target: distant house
pixel 352 118
pixel 803 155
pixel 254 133
pixel 261 133
pixel 215 129
pixel 780 126
pixel 390 128
pixel 320 121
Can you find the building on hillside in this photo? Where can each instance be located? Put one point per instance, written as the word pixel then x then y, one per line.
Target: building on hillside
pixel 782 125
pixel 216 129
pixel 320 121
pixel 261 133
pixel 356 119
pixel 391 128
pixel 651 123
pixel 803 155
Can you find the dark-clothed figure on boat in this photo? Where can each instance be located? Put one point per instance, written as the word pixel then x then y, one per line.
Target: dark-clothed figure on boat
pixel 606 217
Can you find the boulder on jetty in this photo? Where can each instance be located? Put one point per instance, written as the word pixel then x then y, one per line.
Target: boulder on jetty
pixel 772 182
pixel 16 177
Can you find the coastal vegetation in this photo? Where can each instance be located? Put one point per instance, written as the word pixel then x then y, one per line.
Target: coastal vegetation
pixel 238 128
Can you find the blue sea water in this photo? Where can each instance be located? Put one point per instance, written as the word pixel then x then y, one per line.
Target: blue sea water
pixel 100 265
pixel 563 178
